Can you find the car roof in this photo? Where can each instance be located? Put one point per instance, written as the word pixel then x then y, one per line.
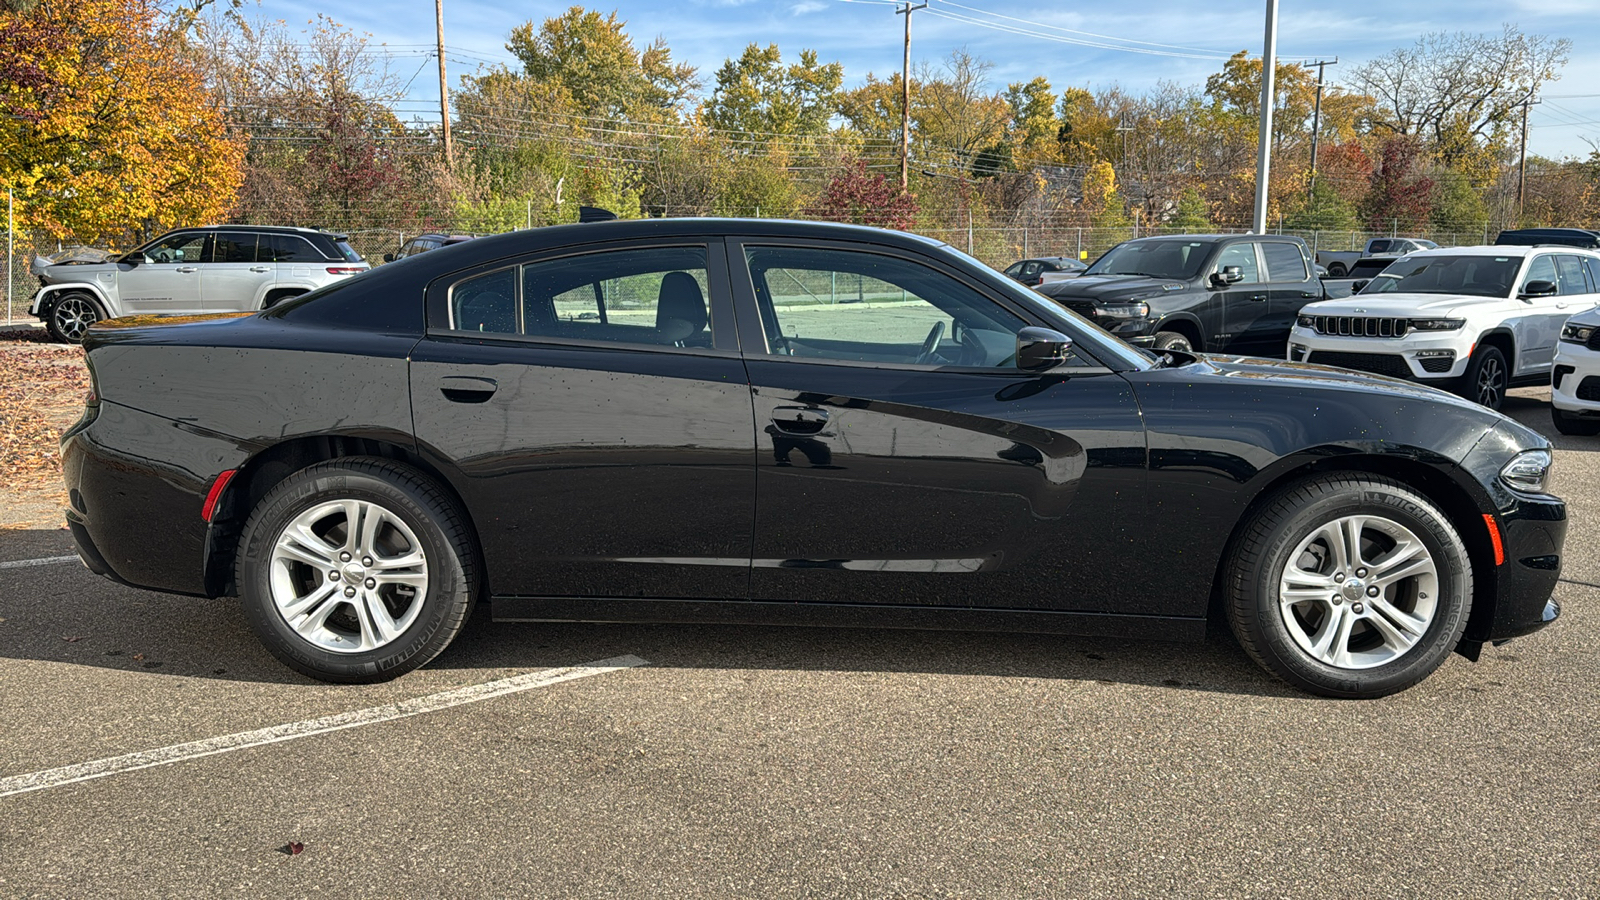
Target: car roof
pixel 1496 250
pixel 1214 237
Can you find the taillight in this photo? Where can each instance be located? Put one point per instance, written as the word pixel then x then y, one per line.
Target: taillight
pixel 345 270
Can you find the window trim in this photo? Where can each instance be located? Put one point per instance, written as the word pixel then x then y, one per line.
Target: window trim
pixel 724 334
pixel 753 336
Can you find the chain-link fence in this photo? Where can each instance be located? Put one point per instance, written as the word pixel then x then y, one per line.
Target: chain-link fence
pixel 998 246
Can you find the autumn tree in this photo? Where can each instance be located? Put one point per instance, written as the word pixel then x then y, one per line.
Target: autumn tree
pixel 110 133
pixel 757 98
pixel 1400 197
pixel 855 196
pixel 592 57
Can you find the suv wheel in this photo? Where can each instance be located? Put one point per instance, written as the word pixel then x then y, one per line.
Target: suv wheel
pixel 71 315
pixel 1349 585
pixel 1487 377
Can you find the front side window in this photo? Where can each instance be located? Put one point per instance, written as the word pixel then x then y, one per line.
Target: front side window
pixel 1285 262
pixel 1543 268
pixel 1243 256
pixel 179 248
pixel 654 295
pixel 865 307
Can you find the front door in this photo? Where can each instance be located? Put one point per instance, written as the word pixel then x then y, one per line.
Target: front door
pixel 905 460
pixel 598 418
pixel 168 281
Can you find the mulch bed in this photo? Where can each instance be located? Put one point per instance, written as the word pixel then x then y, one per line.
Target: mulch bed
pixel 42 387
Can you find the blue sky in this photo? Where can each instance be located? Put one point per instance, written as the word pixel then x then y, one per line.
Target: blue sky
pixel 866 35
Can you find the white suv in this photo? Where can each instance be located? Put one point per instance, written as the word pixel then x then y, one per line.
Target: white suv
pixel 1575 386
pixel 218 268
pixel 1473 319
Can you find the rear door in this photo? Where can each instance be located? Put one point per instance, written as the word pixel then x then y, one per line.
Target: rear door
pixel 169 281
pixel 1247 314
pixel 232 279
pixel 1289 287
pixel 594 409
pixel 905 460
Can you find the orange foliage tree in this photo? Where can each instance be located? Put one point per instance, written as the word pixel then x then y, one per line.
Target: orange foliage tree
pixel 106 132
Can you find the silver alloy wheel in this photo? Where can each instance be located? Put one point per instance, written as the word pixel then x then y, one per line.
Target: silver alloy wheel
pixel 1359 592
pixel 1491 382
pixel 348 576
pixel 73 314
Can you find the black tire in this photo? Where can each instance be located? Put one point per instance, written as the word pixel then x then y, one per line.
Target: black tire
pixel 1487 377
pixel 1172 340
pixel 1575 425
pixel 275 297
pixel 1272 635
pixel 1337 270
pixel 403 494
pixel 70 316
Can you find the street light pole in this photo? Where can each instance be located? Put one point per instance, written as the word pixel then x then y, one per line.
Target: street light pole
pixel 1269 66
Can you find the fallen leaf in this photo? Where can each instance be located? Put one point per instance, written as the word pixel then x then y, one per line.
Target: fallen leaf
pixel 295 848
pixel 72 640
pixel 138 656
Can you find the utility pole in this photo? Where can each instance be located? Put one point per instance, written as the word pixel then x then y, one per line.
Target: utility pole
pixel 905 95
pixel 1123 128
pixel 1316 121
pixel 1269 69
pixel 1522 157
pixel 444 88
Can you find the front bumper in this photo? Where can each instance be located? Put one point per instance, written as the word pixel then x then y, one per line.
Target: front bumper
pixel 1533 533
pixel 1426 357
pixel 1575 379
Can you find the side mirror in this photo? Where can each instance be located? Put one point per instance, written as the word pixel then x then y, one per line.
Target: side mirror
pixel 1358 284
pixel 388 257
pixel 135 258
pixel 1039 349
pixel 1538 289
pixel 1228 275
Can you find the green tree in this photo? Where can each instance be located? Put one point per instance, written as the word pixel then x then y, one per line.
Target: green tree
pixel 1034 124
pixel 1192 213
pixel 591 56
pixel 1325 210
pixel 758 95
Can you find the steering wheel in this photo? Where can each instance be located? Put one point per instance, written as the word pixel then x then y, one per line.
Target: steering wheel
pixel 931 343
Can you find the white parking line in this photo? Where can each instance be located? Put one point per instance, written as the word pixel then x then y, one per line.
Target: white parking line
pixel 43 561
pixel 145 759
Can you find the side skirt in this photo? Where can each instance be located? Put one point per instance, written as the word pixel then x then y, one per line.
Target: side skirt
pixel 843 615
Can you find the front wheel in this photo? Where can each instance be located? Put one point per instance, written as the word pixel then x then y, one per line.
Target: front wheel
pixel 71 315
pixel 1487 377
pixel 1171 340
pixel 356 570
pixel 1349 585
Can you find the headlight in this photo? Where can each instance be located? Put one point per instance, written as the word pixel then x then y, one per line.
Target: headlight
pixel 1577 334
pixel 1123 310
pixel 1437 324
pixel 1305 321
pixel 1528 471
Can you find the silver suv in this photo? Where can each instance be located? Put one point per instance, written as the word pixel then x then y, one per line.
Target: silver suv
pixel 218 268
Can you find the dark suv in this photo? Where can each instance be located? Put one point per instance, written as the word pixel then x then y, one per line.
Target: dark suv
pixel 1237 293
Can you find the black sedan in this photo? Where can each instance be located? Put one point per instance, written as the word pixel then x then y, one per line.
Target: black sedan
pixel 778 422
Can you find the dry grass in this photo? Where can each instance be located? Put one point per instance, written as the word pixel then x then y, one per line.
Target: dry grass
pixel 42 386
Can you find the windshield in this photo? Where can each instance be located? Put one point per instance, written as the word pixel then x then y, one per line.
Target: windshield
pixel 1158 259
pixel 1478 276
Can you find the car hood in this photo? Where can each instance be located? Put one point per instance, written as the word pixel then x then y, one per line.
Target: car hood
pixel 57 274
pixel 1113 287
pixel 1300 374
pixel 1399 305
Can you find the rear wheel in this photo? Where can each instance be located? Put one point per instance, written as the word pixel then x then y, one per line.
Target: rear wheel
pixel 71 315
pixel 356 570
pixel 1573 424
pixel 1337 270
pixel 1349 585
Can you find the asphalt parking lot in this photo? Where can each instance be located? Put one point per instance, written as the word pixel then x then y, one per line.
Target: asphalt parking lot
pixel 705 761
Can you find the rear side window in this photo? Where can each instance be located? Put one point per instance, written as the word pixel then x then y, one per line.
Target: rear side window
pixel 286 248
pixel 1573 281
pixel 229 247
pixel 1284 261
pixel 1594 271
pixel 655 295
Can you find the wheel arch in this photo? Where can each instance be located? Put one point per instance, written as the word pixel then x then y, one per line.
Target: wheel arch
pixel 51 292
pixel 1503 340
pixel 1445 486
pixel 271 466
pixel 1186 325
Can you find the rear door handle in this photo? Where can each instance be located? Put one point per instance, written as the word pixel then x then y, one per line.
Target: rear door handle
pixel 1257 297
pixel 467 388
pixel 186 269
pixel 799 420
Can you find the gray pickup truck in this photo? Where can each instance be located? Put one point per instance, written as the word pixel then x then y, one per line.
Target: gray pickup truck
pixel 1233 293
pixel 1339 263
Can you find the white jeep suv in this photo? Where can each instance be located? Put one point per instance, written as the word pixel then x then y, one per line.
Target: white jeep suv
pixel 1476 320
pixel 218 268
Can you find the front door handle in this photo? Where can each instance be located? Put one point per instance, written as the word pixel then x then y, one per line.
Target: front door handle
pixel 802 421
pixel 186 269
pixel 467 388
pixel 1257 297
pixel 260 269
